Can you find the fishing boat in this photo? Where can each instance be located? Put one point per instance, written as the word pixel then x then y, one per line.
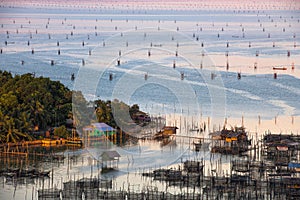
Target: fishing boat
pixel 279 68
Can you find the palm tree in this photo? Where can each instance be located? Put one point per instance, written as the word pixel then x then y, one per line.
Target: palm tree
pixel 12 134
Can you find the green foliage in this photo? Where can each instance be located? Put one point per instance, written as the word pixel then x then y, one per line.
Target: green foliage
pixel 29 103
pixel 115 113
pixel 62 132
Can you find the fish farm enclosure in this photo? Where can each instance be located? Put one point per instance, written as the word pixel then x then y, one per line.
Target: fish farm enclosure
pixel 216 83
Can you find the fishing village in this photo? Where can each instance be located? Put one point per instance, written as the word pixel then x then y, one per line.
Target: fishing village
pixel 247 167
pixel 148 100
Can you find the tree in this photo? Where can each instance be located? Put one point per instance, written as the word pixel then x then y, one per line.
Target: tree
pixel 27 102
pixel 62 132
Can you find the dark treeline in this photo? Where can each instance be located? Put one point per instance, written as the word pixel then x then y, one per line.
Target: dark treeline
pixel 31 104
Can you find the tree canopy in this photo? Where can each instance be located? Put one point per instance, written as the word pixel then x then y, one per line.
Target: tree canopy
pixel 29 103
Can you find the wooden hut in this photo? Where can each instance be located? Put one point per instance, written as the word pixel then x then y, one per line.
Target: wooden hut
pixel 110 160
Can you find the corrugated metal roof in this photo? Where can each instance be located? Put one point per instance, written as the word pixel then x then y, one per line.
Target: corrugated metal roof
pixel 98 126
pixel 110 155
pixel 102 127
pixel 294 165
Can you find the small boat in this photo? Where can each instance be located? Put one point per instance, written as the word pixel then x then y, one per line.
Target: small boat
pixel 282 148
pixel 279 68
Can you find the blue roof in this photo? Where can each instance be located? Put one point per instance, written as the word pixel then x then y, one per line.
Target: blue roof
pixel 102 127
pixel 294 165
